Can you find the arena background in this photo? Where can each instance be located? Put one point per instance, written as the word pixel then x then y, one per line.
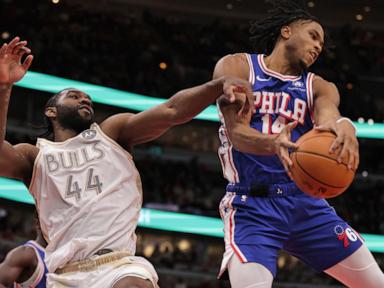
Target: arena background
pixel 154 48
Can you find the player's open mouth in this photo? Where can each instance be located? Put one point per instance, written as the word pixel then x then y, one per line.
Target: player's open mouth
pixel 313 55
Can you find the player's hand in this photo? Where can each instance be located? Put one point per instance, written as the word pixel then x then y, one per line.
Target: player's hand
pixel 11 67
pixel 345 140
pixel 281 145
pixel 238 90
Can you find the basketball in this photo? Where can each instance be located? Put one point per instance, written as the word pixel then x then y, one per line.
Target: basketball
pixel 316 171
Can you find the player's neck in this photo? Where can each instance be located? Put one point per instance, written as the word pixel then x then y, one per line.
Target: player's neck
pixel 62 134
pixel 278 61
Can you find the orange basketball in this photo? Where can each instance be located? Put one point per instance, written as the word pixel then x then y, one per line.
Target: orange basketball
pixel 317 172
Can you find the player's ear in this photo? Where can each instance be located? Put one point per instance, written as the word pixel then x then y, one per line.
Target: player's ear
pixel 50 112
pixel 285 32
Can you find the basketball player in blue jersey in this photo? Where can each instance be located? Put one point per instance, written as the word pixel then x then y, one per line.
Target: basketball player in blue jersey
pixel 263 210
pixel 24 266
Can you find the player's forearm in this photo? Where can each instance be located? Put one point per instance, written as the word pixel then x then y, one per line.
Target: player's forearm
pixel 324 114
pixel 249 140
pixel 5 93
pixel 187 103
pixel 326 108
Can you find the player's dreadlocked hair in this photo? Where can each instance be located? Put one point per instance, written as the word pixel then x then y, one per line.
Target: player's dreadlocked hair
pixel 52 102
pixel 265 32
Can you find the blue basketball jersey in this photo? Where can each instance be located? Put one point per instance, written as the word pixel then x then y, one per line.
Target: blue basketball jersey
pixel 39 278
pixel 279 100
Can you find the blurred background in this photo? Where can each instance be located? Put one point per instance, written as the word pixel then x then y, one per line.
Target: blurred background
pixel 156 48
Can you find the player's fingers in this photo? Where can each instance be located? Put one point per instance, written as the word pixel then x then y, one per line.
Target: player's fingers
pixel 19 46
pixel 22 51
pixel 343 152
pixel 250 98
pixel 288 128
pixel 3 49
pixel 12 44
pixel 357 161
pixel 351 160
pixel 229 93
pixel 284 154
pixel 292 125
pixel 336 144
pixel 238 89
pixel 246 105
pixel 287 164
pixel 27 62
pixel 290 145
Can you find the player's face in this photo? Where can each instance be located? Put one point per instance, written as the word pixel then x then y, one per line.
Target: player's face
pixel 75 110
pixel 306 41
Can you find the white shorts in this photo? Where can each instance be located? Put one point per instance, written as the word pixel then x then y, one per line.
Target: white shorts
pixel 105 276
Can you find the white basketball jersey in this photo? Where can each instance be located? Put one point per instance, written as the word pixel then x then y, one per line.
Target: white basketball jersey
pixel 88 194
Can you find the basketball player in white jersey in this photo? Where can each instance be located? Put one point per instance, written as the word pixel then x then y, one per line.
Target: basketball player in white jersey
pixel 85 184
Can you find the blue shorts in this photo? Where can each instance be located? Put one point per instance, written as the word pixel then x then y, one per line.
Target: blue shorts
pixel 256 228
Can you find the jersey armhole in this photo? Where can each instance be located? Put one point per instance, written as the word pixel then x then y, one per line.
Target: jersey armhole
pixel 38 274
pixel 309 89
pixel 251 77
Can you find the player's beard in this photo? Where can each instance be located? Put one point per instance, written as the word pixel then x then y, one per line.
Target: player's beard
pixel 70 118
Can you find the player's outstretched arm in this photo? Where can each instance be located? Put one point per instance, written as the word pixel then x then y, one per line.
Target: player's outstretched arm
pixel 16 262
pixel 327 118
pixel 13 160
pixel 130 129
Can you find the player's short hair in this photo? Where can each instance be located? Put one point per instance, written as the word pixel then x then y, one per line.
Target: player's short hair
pixel 265 32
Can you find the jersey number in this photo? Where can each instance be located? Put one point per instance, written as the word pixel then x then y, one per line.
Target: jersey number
pixel 73 188
pixel 275 127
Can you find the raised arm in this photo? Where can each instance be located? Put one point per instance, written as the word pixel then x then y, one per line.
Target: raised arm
pixel 243 137
pixel 18 263
pixel 327 118
pixel 14 161
pixel 129 129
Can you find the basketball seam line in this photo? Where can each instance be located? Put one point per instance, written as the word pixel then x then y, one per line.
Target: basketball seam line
pixel 322 155
pixel 302 169
pixel 316 136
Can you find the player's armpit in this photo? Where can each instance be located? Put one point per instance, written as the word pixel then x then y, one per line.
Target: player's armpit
pixel 17 161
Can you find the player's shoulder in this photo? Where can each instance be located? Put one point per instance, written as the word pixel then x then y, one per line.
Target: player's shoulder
pixel 27 148
pixel 28 151
pixel 319 83
pixel 235 58
pixel 112 125
pixel 21 256
pixel 233 64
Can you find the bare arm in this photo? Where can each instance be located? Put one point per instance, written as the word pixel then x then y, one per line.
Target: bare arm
pixel 15 162
pixel 129 129
pixel 15 265
pixel 327 100
pixel 326 114
pixel 243 137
